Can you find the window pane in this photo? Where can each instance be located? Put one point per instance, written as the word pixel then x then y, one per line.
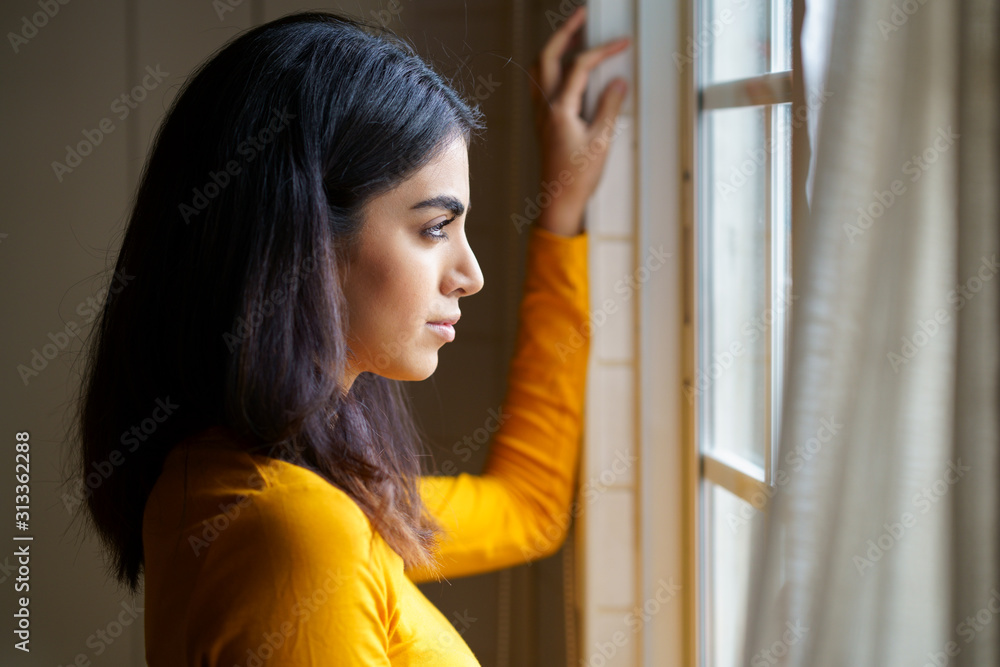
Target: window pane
pixel 735 342
pixel 733 529
pixel 781 278
pixel 781 35
pixel 736 35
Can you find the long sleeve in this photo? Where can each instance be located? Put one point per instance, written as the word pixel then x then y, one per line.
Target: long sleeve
pixel 519 508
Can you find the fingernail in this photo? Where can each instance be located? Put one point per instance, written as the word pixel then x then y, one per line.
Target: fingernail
pixel 618 86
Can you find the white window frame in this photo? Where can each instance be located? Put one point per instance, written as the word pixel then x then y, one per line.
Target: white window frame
pixel 643 182
pixel 740 477
pixel 649 184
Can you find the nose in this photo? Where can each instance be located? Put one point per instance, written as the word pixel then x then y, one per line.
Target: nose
pixel 467 277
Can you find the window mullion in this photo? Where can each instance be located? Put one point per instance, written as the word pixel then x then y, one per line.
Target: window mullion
pixel 738 476
pixel 773 88
pixel 769 237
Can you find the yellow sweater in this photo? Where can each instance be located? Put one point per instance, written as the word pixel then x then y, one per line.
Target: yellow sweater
pixel 251 561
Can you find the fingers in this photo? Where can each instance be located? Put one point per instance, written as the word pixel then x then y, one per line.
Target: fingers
pixel 552 52
pixel 576 82
pixel 608 106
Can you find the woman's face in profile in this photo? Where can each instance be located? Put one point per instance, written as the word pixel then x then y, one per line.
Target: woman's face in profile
pixel 409 271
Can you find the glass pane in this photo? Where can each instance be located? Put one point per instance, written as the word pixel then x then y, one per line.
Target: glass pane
pixel 734 36
pixel 733 529
pixel 781 31
pixel 734 322
pixel 783 299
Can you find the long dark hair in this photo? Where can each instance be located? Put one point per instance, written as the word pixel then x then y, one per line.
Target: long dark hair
pixel 227 309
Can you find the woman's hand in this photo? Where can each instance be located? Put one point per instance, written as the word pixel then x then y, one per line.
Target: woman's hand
pixel 573 152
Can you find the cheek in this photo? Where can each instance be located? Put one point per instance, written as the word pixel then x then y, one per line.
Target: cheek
pixel 396 294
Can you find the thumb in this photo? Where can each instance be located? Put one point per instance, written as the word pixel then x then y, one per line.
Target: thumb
pixel 609 104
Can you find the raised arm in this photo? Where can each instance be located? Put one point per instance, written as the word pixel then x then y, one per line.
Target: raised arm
pixel 518 509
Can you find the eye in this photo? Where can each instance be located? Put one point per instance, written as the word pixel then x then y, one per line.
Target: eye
pixel 435 231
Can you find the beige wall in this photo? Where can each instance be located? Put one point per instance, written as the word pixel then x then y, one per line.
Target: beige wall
pixel 60 233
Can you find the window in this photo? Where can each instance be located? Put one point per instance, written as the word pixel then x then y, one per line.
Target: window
pixel 741 294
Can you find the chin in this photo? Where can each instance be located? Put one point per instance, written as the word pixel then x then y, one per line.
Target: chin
pixel 427 371
pixel 414 372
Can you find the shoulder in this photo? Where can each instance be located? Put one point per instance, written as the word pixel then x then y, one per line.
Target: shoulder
pixel 296 532
pixel 295 556
pixel 308 511
pixel 224 497
pixel 296 508
pixel 242 547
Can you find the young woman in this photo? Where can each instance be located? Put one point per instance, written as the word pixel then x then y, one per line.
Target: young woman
pixel 296 249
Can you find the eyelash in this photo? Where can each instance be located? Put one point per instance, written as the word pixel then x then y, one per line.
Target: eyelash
pixel 428 232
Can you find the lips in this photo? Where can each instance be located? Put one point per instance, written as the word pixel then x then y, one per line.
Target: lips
pixel 447 320
pixel 446 331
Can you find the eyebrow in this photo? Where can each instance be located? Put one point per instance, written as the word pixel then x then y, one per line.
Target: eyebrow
pixel 446 202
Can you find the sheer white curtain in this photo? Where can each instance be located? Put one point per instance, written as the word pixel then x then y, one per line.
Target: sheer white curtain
pixel 882 548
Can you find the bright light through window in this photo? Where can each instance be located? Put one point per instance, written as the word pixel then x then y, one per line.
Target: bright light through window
pixel 743 293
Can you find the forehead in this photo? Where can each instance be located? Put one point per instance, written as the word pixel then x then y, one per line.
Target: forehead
pixel 448 173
